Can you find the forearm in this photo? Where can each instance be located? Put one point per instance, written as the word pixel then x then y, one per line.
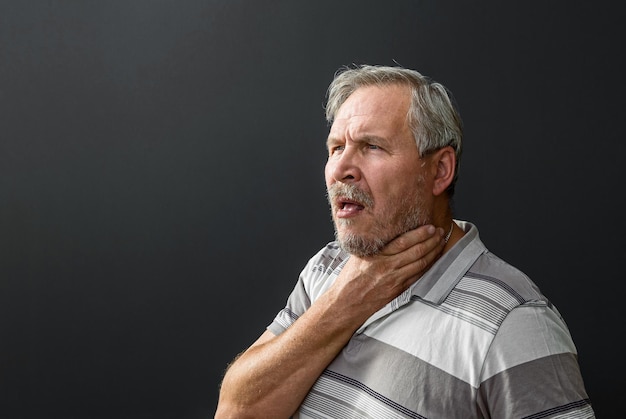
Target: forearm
pixel 272 378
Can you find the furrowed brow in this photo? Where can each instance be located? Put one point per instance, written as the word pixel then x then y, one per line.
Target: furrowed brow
pixel 332 141
pixel 371 139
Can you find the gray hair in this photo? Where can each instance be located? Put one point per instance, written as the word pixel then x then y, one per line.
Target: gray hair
pixel 432 117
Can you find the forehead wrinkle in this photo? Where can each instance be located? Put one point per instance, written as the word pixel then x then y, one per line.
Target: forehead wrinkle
pixel 352 128
pixel 359 119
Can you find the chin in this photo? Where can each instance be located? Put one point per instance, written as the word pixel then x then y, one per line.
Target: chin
pixel 360 245
pixel 347 232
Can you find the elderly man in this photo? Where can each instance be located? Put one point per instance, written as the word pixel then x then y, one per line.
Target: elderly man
pixel 406 314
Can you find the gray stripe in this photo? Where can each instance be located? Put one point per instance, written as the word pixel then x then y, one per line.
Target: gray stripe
pixel 520 383
pixel 400 380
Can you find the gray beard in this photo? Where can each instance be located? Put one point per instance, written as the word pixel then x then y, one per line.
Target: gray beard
pixel 407 216
pixel 360 246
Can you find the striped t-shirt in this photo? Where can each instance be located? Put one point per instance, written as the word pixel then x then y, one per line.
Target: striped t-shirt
pixel 473 338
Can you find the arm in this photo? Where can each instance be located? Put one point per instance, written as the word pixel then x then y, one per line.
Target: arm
pixel 273 376
pixel 532 368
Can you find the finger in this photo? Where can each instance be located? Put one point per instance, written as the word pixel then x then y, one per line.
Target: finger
pixel 411 238
pixel 422 255
pixel 411 264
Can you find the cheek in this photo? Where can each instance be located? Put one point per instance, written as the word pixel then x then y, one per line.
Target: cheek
pixel 399 185
pixel 328 171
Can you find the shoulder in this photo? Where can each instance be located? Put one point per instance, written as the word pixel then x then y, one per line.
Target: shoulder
pixel 491 289
pixel 490 270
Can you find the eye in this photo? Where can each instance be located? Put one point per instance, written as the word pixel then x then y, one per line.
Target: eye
pixel 336 149
pixel 373 147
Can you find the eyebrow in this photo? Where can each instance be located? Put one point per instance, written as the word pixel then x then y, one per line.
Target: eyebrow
pixel 332 141
pixel 364 139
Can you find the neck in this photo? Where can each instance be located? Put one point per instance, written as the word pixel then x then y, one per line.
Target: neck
pixel 455 234
pixel 447 237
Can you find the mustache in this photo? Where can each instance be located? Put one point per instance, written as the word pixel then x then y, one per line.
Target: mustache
pixel 350 192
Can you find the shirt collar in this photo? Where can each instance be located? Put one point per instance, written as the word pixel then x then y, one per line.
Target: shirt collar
pixel 442 277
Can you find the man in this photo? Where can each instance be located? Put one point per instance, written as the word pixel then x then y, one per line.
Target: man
pixel 406 314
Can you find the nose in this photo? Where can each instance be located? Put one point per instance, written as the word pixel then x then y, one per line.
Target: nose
pixel 344 167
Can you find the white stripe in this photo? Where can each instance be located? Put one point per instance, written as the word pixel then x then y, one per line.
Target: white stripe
pixel 318 404
pixel 493 291
pixel 528 333
pixel 452 345
pixel 583 413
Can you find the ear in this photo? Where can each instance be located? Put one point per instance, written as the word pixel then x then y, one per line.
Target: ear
pixel 445 164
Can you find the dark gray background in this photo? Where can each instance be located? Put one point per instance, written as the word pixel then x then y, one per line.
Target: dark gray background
pixel 161 178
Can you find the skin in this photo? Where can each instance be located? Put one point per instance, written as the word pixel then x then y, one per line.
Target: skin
pixel 274 375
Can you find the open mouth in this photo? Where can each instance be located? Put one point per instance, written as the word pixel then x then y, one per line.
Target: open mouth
pixel 348 200
pixel 347 207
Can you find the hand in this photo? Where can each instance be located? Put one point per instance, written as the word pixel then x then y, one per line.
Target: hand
pixel 275 374
pixel 372 281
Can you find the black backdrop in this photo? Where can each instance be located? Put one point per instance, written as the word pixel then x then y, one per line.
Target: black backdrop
pixel 161 178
